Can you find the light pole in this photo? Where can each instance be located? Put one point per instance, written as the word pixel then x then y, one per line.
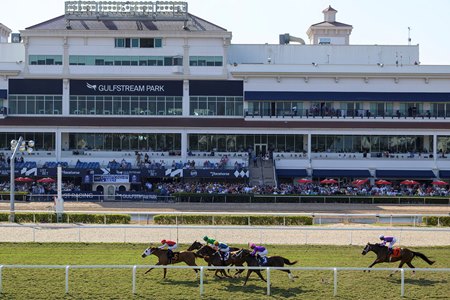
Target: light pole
pixel 21 146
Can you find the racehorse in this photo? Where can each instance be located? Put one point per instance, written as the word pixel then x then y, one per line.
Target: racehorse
pixel 197 245
pixel 187 257
pixel 272 261
pixel 405 255
pixel 213 257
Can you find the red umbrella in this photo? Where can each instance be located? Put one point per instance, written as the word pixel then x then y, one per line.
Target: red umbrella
pixel 328 181
pixel 46 180
pixel 439 182
pixel 382 182
pixel 304 180
pixel 24 179
pixel 360 181
pixel 409 182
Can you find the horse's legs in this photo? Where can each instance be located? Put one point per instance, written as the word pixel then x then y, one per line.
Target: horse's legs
pixel 412 267
pixel 372 264
pixel 248 275
pixel 399 266
pixel 291 277
pixel 165 272
pixel 152 268
pixel 260 275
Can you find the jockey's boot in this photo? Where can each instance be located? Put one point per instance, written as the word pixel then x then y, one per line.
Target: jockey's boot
pixel 169 256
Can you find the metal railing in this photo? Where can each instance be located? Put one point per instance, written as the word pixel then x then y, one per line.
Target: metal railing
pixel 318 218
pixel 202 269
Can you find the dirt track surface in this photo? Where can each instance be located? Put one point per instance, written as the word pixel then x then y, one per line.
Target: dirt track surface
pixel 336 234
pixel 236 207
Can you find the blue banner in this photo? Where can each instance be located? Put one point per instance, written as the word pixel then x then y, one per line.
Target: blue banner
pixel 35 86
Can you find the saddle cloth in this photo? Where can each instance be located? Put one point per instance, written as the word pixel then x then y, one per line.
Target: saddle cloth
pixel 396 252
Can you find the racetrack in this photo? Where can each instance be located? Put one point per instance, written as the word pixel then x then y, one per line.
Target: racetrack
pixel 336 234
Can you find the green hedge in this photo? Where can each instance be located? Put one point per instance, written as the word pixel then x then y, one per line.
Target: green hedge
pixel 434 221
pixel 231 220
pixel 67 217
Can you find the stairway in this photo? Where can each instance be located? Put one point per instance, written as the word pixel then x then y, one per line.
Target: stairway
pixel 263 174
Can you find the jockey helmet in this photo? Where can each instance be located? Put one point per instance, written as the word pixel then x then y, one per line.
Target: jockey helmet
pixel 252 245
pixel 216 243
pixel 163 241
pixel 381 237
pixel 205 238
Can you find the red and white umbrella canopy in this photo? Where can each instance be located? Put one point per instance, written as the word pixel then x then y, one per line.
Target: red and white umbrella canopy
pixel 304 180
pixel 328 181
pixel 359 182
pixel 383 182
pixel 439 182
pixel 409 182
pixel 24 179
pixel 46 180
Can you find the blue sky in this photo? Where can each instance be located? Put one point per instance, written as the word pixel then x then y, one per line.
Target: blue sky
pixel 382 22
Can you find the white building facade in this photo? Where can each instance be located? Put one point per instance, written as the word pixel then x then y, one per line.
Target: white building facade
pixel 103 84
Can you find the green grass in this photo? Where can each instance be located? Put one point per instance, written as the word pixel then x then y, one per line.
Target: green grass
pixel 182 284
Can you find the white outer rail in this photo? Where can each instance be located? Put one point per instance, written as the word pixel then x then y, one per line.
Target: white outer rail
pixel 133 268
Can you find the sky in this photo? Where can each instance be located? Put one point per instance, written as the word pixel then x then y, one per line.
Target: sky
pixel 381 22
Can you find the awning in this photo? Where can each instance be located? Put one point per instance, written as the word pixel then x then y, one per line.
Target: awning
pixel 444 174
pixel 340 173
pixel 291 173
pixel 345 96
pixel 405 174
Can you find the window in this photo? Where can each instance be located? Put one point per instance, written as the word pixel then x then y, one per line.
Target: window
pixel 138 42
pixel 206 61
pixel 47 60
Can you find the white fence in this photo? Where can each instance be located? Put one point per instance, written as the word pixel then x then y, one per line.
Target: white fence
pixel 268 270
pixel 318 218
pixel 293 235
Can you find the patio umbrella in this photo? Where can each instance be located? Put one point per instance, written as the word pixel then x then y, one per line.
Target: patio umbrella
pixel 46 180
pixel 304 180
pixel 439 182
pixel 382 182
pixel 360 181
pixel 409 182
pixel 24 179
pixel 328 181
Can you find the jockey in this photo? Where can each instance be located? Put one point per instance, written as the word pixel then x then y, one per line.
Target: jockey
pixel 259 251
pixel 223 250
pixel 171 245
pixel 388 239
pixel 209 241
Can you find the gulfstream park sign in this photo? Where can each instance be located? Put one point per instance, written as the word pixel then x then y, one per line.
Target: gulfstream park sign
pixel 127 87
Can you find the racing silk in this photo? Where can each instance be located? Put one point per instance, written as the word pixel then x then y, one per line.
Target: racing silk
pixel 388 239
pixel 258 249
pixel 168 244
pixel 210 241
pixel 223 246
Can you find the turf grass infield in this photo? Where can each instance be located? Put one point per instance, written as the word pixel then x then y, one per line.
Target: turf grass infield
pixel 183 284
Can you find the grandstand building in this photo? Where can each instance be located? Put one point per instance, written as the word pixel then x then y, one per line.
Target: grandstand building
pixel 107 85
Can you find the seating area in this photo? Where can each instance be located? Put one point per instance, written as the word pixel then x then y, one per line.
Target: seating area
pixel 54 164
pixel 87 165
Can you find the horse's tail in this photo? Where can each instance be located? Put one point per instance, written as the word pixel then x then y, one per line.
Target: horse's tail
pixel 422 256
pixel 286 261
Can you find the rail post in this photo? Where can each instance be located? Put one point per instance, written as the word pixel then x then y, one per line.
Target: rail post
pixel 67 279
pixel 201 282
pixel 335 281
pixel 402 288
pixel 1 290
pixel 268 281
pixel 134 280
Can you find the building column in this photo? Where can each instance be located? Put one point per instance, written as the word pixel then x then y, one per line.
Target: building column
pixel 184 146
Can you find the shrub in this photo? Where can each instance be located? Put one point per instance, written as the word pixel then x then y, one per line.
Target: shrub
pixel 232 220
pixel 51 217
pixel 435 221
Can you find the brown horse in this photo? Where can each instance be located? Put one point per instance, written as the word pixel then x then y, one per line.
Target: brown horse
pixel 197 245
pixel 405 256
pixel 272 261
pixel 183 256
pixel 213 257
